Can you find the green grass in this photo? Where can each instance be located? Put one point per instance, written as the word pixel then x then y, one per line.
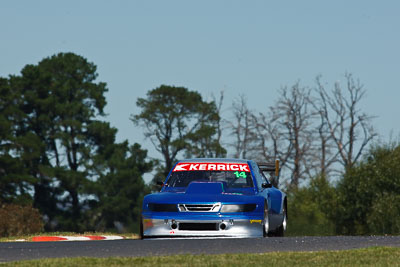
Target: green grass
pixel 377 256
pixel 29 237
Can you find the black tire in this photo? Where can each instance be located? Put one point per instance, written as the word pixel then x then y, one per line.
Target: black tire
pixel 280 232
pixel 265 224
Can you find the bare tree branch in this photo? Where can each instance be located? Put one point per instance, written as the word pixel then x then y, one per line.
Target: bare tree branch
pixel 345 120
pixel 242 129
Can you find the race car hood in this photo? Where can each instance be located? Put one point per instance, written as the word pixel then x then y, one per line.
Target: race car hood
pixel 204 192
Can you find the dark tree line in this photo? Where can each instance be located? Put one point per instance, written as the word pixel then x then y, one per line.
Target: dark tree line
pixel 368 195
pixel 57 154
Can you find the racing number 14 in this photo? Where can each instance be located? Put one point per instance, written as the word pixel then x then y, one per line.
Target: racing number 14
pixel 240 174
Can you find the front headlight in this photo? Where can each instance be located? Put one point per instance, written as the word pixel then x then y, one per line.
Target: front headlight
pixel 238 208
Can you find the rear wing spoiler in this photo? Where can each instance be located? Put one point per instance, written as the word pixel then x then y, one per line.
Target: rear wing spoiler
pixel 269 167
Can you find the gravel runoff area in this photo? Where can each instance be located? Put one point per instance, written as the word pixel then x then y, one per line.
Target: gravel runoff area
pixel 13 251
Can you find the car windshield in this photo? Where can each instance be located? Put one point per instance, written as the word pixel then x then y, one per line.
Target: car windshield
pixel 230 179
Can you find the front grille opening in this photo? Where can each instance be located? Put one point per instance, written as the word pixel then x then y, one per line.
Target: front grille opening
pixel 163 207
pixel 198 226
pixel 200 207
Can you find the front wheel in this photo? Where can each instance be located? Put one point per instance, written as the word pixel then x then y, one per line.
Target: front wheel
pixel 266 220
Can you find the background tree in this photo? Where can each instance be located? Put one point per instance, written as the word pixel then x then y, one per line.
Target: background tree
pixel 219 124
pixel 120 169
pixel 206 142
pixel 61 102
pixel 369 193
pixel 14 177
pixel 295 120
pixel 56 137
pixel 324 152
pixel 349 127
pixel 271 144
pixel 242 129
pixel 312 208
pixel 178 120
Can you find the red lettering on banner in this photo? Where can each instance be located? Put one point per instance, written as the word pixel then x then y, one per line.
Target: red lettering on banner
pixel 211 167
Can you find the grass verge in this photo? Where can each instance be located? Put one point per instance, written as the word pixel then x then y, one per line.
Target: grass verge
pixel 376 256
pixel 29 237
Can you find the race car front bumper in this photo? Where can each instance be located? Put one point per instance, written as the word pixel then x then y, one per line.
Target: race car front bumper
pixel 153 227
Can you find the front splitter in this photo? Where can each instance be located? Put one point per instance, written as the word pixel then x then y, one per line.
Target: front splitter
pixel 232 228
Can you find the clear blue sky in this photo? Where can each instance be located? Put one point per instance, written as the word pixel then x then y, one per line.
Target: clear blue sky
pixel 241 47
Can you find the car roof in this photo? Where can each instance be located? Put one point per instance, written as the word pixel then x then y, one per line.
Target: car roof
pixel 219 160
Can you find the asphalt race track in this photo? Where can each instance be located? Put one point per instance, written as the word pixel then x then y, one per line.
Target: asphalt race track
pixel 12 251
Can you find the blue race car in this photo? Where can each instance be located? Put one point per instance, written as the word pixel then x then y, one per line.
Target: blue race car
pixel 215 197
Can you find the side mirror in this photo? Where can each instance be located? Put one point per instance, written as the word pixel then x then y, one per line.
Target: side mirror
pixel 159 183
pixel 266 185
pixel 274 182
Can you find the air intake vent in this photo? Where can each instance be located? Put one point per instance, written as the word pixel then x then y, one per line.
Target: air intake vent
pixel 199 207
pixel 198 226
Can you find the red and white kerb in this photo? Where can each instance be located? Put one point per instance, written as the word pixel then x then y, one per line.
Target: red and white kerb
pixel 242 167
